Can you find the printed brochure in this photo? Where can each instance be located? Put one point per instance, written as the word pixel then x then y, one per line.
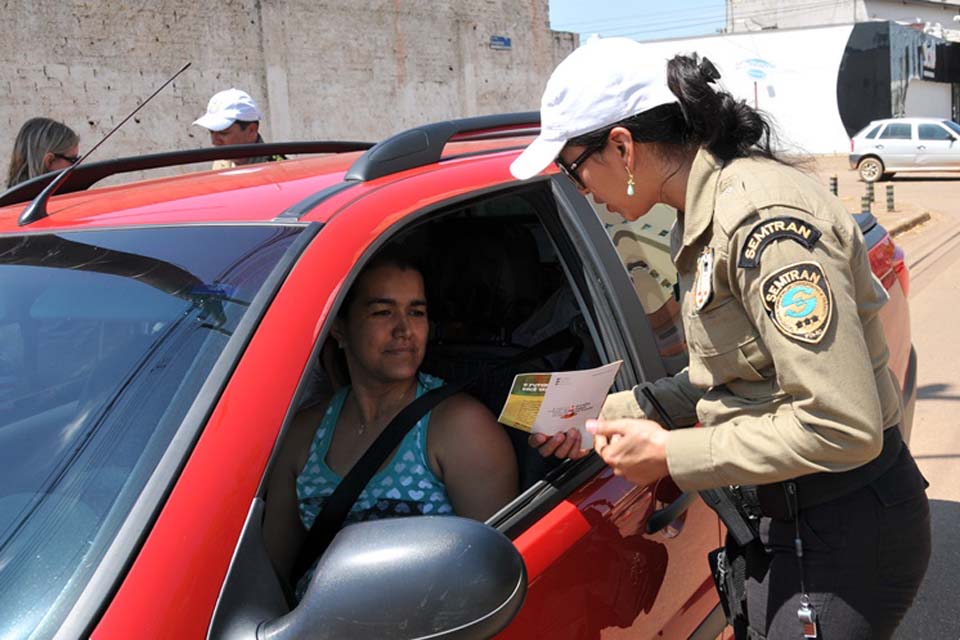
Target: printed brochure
pixel 550 403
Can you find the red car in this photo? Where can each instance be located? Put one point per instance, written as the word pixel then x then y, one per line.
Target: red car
pixel 156 338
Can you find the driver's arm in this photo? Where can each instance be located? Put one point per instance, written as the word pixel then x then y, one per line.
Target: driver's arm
pixel 283 531
pixel 474 457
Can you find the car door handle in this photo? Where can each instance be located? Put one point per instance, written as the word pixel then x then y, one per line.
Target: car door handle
pixel 662 517
pixel 921 147
pixel 879 146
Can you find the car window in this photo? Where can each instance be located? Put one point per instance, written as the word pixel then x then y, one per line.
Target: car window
pixel 873 132
pixel 896 131
pixel 106 338
pixel 933 132
pixel 497 286
pixel 644 249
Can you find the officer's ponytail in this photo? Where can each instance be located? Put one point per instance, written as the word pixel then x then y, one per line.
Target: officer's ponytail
pixel 713 118
pixel 705 115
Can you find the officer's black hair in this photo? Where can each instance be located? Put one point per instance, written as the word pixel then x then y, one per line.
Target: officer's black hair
pixel 704 116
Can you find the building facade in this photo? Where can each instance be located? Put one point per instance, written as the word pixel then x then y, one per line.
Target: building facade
pixel 320 70
pixel 759 15
pixel 823 83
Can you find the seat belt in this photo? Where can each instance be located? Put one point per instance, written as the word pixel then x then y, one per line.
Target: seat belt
pixel 335 510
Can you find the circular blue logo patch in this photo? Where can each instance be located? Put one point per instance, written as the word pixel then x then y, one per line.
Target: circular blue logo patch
pixel 799 301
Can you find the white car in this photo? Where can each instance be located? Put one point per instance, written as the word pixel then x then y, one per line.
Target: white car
pixel 895 145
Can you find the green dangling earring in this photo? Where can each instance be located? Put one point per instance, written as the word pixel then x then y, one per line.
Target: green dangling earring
pixel 630 189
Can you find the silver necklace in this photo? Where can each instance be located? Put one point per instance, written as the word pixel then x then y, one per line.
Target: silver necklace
pixel 363 425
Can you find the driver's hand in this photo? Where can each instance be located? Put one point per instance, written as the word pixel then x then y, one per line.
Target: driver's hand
pixel 561 445
pixel 619 405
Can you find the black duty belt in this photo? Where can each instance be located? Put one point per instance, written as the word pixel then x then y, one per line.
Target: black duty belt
pixel 774 501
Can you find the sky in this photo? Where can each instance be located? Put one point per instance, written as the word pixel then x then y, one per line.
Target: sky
pixel 638 19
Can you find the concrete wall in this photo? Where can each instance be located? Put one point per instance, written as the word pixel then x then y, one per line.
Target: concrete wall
pixel 754 15
pixel 928 99
pixel 933 12
pixel 342 69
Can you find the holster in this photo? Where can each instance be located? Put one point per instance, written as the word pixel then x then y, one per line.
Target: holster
pixel 728 566
pixel 729 507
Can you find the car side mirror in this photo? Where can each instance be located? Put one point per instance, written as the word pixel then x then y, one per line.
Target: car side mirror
pixel 419 577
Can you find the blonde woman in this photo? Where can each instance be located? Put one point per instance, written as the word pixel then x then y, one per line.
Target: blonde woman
pixel 42 145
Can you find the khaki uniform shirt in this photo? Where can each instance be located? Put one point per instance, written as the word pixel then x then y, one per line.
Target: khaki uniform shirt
pixel 788 360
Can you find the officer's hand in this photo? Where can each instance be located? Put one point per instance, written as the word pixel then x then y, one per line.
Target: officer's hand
pixel 561 445
pixel 634 449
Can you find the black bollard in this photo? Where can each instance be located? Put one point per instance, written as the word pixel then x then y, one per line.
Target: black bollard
pixel 833 185
pixel 890 205
pixel 870 192
pixel 865 204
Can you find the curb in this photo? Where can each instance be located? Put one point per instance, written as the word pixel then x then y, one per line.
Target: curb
pixel 909 223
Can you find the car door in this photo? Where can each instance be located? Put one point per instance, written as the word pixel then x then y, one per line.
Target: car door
pixel 896 146
pixel 595 570
pixel 936 147
pixel 592 568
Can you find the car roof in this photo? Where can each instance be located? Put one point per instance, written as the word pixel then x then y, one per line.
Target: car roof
pixel 286 190
pixel 910 120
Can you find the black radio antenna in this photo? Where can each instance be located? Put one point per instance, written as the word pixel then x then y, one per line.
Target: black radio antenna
pixel 37 208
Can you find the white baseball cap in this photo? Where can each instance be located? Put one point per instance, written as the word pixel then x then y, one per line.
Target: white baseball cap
pixel 601 83
pixel 227 107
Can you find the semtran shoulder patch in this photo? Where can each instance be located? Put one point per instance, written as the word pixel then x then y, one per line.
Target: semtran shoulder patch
pixel 766 231
pixel 798 300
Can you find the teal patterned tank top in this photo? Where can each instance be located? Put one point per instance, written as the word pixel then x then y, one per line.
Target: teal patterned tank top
pixel 405 486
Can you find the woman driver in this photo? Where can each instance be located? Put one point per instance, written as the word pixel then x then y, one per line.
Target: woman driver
pixel 456 460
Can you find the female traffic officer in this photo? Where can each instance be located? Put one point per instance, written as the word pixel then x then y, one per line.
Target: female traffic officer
pixel 788 368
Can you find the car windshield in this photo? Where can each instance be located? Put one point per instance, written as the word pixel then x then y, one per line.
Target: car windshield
pixel 106 338
pixel 953 126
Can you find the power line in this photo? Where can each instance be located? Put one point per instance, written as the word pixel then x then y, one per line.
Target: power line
pixel 612 21
pixel 650 26
pixel 637 27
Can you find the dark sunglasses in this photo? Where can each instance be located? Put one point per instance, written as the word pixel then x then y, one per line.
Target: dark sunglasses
pixel 70 159
pixel 570 170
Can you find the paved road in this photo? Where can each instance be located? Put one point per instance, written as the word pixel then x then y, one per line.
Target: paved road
pixel 914 194
pixel 933 256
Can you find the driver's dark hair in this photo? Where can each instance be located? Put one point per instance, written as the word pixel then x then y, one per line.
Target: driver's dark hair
pixel 390 256
pixel 704 115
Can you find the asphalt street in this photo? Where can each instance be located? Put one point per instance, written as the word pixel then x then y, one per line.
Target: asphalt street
pixel 933 256
pixel 932 250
